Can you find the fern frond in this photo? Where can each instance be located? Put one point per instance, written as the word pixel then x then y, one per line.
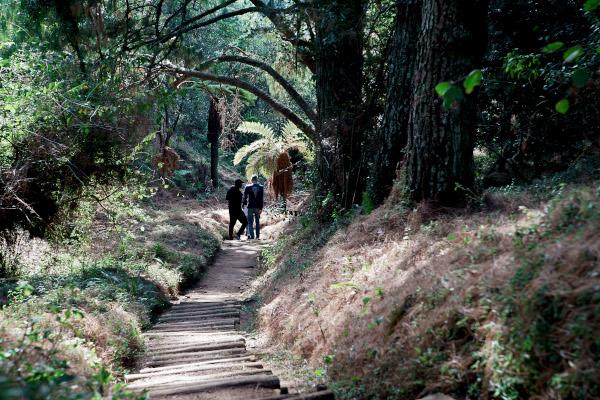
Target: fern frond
pixel 290 131
pixel 257 128
pixel 244 151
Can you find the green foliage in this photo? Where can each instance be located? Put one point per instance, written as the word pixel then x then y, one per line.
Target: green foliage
pixel 562 106
pixel 552 47
pixel 368 205
pixel 263 153
pixel 572 54
pixel 591 5
pixel 523 66
pixel 472 80
pixel 77 304
pixel 452 93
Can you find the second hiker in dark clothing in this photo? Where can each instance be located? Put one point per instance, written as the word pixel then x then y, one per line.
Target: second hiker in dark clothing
pixel 253 197
pixel 234 198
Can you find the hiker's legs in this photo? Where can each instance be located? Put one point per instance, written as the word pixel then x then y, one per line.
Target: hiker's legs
pixel 244 221
pixel 247 226
pixel 257 220
pixel 232 220
pixel 251 222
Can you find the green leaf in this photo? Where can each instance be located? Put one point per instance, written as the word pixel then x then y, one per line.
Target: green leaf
pixel 340 285
pixel 25 288
pixel 580 77
pixel 442 87
pixel 572 53
pixel 562 106
pixel 453 94
pixel 472 81
pixel 328 359
pixel 591 5
pixel 452 237
pixel 366 300
pixel 552 47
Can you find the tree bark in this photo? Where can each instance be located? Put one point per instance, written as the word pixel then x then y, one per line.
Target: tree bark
pixel 214 131
pixel 391 138
pixel 440 142
pixel 339 79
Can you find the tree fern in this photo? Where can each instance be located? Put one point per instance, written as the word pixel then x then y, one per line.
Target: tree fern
pixel 262 154
pixel 257 128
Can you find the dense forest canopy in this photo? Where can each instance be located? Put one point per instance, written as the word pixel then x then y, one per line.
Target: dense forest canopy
pixel 422 109
pixel 359 78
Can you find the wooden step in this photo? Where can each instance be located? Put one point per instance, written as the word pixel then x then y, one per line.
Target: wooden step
pixel 157 348
pixel 203 347
pixel 192 379
pixel 196 323
pixel 263 381
pixel 199 368
pixel 320 395
pixel 241 358
pixel 205 356
pixel 199 315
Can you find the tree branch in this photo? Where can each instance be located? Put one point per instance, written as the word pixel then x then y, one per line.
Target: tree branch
pixel 310 113
pixel 307 129
pixel 201 15
pixel 181 30
pixel 303 46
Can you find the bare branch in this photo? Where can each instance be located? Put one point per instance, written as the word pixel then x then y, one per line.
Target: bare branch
pixel 306 128
pixel 181 30
pixel 201 15
pixel 303 46
pixel 310 113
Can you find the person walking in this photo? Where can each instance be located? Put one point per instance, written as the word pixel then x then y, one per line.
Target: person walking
pixel 245 208
pixel 234 199
pixel 253 197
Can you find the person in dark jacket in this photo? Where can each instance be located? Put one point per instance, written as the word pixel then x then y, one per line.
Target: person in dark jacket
pixel 234 199
pixel 253 197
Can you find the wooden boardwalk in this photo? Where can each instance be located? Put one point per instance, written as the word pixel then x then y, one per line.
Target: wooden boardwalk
pixel 196 350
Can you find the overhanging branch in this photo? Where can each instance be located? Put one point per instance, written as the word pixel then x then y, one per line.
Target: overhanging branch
pixel 303 46
pixel 310 113
pixel 306 128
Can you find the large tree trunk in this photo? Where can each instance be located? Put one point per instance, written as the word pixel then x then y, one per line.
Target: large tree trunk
pixel 339 65
pixel 214 131
pixel 440 142
pixel 392 136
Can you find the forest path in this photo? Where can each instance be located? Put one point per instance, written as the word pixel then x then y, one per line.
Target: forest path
pixel 196 350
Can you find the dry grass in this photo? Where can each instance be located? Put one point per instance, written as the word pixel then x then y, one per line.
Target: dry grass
pixel 405 299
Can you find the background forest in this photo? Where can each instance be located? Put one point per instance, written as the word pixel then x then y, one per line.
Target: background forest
pixel 469 128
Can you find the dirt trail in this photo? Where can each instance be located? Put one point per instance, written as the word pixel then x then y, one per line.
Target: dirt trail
pixel 196 350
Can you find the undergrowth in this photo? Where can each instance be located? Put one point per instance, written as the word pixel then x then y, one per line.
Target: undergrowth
pixel 72 316
pixel 511 312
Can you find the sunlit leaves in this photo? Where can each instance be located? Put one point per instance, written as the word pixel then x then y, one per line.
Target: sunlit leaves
pixel 472 81
pixel 552 47
pixel 442 87
pixel 562 106
pixel 572 54
pixel 449 92
pixel 522 66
